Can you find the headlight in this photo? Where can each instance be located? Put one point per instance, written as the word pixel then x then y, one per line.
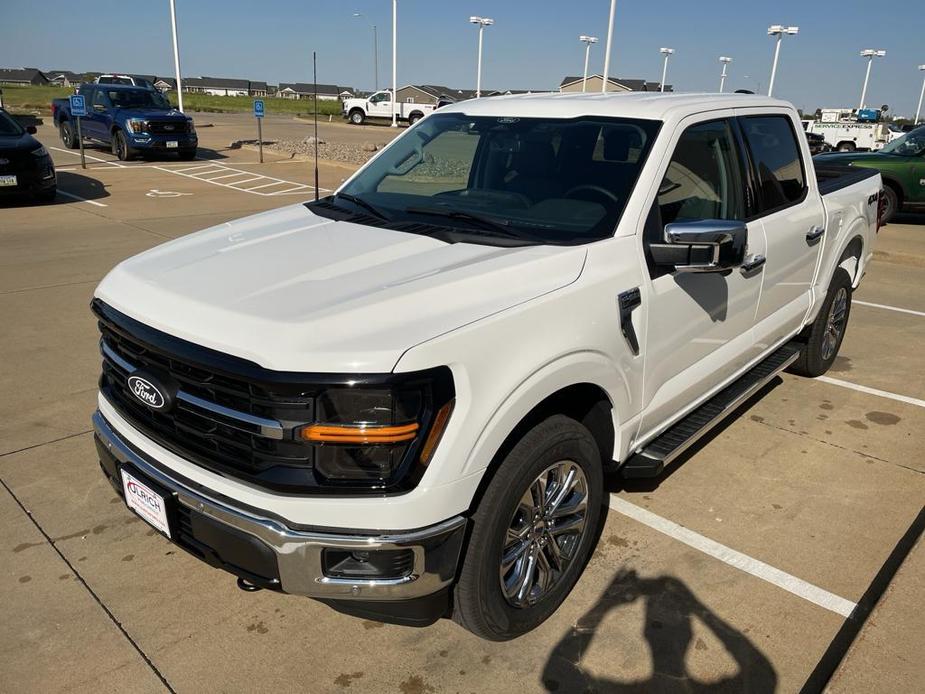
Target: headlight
pixel 40 152
pixel 137 125
pixel 379 436
pixel 191 128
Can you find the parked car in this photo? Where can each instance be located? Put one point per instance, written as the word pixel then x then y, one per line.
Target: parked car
pixel 130 120
pixel 379 105
pixel 817 143
pixel 25 167
pixel 901 164
pixel 401 399
pixel 124 79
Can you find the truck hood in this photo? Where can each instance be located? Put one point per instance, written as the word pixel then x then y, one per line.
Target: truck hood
pixel 153 114
pixel 293 291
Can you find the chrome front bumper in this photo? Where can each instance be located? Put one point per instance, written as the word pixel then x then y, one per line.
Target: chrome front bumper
pixel 298 553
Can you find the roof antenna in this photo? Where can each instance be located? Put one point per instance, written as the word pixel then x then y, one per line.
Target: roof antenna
pixel 315 77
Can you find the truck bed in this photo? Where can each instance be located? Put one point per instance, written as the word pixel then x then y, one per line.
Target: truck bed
pixel 833 177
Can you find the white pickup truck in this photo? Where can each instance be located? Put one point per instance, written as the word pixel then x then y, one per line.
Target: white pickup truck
pixel 401 399
pixel 379 105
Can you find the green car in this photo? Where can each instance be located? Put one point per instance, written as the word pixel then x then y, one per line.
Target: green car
pixel 901 163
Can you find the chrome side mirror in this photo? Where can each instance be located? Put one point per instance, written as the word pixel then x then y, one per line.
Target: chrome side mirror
pixel 708 245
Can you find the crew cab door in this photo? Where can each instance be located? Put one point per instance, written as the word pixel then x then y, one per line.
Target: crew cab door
pixel 789 208
pixel 96 124
pixel 699 326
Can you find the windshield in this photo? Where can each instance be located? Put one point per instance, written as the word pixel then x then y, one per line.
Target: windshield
pixel 137 98
pixel 560 181
pixel 8 126
pixel 912 144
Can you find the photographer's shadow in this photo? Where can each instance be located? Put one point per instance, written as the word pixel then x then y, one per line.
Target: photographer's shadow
pixel 669 609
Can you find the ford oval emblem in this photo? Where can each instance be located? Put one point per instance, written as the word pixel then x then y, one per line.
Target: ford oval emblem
pixel 147 392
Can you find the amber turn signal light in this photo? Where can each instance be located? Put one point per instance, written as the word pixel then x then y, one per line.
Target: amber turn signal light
pixel 358 433
pixel 436 432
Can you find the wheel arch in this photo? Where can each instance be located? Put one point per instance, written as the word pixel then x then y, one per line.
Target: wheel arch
pixel 896 187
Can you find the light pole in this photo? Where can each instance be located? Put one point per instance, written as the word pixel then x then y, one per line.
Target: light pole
pixel 588 41
pixel 482 22
pixel 394 60
pixel 778 30
pixel 375 50
pixel 176 54
pixel 613 9
pixel 722 78
pixel 870 54
pixel 667 53
pixel 921 94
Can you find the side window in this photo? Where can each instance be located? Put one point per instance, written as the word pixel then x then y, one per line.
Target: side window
pixel 777 161
pixel 99 98
pixel 704 178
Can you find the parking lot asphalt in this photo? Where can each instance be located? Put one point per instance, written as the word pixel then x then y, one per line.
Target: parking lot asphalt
pixel 748 566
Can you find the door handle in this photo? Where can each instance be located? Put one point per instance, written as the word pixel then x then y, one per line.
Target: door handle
pixel 814 233
pixel 628 302
pixel 753 263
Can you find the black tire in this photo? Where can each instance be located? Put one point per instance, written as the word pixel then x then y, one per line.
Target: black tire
pixel 357 117
pixel 120 146
pixel 821 345
pixel 187 155
pixel 890 204
pixel 47 195
pixel 68 135
pixel 480 604
pixel 414 118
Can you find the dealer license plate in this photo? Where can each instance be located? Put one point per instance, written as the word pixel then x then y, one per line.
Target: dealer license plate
pixel 7 181
pixel 147 503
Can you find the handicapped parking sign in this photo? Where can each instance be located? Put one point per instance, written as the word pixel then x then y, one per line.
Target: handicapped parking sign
pixel 258 108
pixel 78 105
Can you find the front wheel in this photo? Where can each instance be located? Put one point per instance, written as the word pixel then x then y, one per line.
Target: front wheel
pixel 824 336
pixel 357 117
pixel 120 146
pixel 533 531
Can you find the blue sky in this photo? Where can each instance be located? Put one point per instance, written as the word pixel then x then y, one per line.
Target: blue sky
pixel 533 44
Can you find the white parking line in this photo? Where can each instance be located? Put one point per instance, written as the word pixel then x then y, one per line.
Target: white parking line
pixel 80 199
pixel 76 153
pixel 872 391
pixel 889 308
pixel 210 173
pixel 743 562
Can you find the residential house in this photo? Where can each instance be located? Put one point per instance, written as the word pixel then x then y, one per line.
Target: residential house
pixel 165 84
pixel 23 76
pixel 257 89
pixel 217 86
pixel 614 84
pixel 64 78
pixel 303 90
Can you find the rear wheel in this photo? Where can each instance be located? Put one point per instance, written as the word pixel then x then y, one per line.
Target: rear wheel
pixel 414 118
pixel 824 337
pixel 890 204
pixel 846 147
pixel 68 136
pixel 532 532
pixel 357 117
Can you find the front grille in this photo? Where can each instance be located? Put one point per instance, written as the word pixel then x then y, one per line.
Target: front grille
pixel 198 434
pixel 172 127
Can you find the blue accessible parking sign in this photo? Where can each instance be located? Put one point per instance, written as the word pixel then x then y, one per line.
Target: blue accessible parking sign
pixel 78 105
pixel 258 108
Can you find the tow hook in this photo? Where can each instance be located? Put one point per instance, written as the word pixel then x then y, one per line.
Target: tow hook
pixel 247 586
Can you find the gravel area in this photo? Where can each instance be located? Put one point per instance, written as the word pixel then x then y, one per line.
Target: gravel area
pixel 329 151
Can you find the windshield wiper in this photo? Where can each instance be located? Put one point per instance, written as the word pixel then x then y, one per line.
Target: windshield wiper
pixel 484 223
pixel 369 207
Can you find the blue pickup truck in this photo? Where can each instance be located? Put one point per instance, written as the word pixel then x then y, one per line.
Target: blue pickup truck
pixel 131 120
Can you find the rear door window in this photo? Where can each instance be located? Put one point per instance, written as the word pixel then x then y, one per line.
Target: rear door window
pixel 776 157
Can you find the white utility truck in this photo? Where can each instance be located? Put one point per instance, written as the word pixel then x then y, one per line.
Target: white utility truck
pixel 401 399
pixel 844 132
pixel 379 105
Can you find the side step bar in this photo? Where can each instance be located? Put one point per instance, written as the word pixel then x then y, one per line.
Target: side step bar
pixel 652 459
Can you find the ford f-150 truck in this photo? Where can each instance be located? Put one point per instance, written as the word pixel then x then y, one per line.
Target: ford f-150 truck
pixel 379 105
pixel 401 399
pixel 131 120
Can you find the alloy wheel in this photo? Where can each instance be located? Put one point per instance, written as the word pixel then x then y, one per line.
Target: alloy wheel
pixel 835 324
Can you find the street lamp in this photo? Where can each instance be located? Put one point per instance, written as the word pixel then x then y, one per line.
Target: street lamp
pixel 613 9
pixel 176 55
pixel 667 53
pixel 482 22
pixel 588 41
pixel 778 30
pixel 921 94
pixel 394 60
pixel 375 50
pixel 722 78
pixel 870 54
